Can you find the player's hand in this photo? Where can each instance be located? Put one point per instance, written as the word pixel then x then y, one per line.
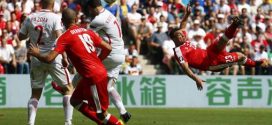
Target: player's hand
pixel 33 49
pixel 188 10
pixel 199 84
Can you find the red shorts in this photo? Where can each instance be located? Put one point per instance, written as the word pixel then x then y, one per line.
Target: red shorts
pixel 220 57
pixel 83 91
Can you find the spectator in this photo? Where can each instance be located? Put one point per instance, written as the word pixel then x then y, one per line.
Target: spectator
pixel 196 30
pixel 7 57
pixel 261 54
pixel 266 6
pixel 133 20
pixel 125 65
pixel 131 51
pixel 155 45
pixel 143 36
pixel 232 5
pixel 258 23
pixel 243 4
pixel 172 14
pixel 125 9
pixel 257 43
pixel 221 24
pixel 168 55
pixel 223 7
pixel 21 58
pixel 134 68
pixel 27 6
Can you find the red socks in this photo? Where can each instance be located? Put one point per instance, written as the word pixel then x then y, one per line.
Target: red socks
pixel 85 110
pixel 251 63
pixel 114 121
pixel 230 32
pixel 56 87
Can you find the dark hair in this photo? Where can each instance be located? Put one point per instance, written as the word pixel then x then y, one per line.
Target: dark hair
pixel 94 3
pixel 172 32
pixel 85 4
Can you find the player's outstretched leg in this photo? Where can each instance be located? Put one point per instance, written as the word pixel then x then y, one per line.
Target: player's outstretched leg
pixel 85 109
pixel 242 59
pixel 229 33
pixel 117 101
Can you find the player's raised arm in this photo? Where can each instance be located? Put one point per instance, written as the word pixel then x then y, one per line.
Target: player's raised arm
pixel 185 17
pixel 199 82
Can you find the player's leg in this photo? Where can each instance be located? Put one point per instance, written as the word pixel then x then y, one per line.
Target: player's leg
pixel 62 77
pixel 230 32
pixel 100 101
pixel 113 65
pixel 59 89
pixel 117 100
pixel 78 97
pixel 38 76
pixel 243 60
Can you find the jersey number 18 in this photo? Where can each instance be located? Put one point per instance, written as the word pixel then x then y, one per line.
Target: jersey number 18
pixel 87 42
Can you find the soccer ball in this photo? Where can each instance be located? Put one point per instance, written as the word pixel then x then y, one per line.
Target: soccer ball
pixel 110 1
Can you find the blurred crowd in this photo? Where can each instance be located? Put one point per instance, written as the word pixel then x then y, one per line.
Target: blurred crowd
pixel 145 25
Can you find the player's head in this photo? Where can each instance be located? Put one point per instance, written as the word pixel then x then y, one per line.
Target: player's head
pixel 68 17
pixel 47 4
pixel 90 7
pixel 179 36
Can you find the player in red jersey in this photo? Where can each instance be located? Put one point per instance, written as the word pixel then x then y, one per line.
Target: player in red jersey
pixel 215 58
pixel 80 44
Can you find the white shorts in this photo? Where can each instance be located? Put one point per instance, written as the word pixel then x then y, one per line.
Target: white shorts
pixel 113 64
pixel 40 71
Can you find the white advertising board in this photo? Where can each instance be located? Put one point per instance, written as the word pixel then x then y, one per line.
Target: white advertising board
pixel 157 91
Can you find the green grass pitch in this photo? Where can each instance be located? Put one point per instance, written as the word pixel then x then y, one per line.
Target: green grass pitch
pixel 151 116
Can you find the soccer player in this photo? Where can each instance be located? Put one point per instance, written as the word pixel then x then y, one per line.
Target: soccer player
pixel 215 58
pixel 80 44
pixel 106 24
pixel 44 28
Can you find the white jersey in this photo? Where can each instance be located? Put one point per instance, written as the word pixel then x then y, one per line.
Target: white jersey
pixel 40 27
pixel 107 26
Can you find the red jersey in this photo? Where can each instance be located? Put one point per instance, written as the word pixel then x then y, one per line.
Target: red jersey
pixel 210 59
pixel 79 44
pixel 188 52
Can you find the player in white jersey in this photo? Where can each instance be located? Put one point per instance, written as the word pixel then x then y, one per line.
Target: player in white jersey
pixel 108 27
pixel 43 28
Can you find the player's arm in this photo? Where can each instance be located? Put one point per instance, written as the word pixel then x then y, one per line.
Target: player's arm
pixel 184 19
pixel 47 58
pixel 22 36
pixel 185 67
pixel 64 61
pixel 105 50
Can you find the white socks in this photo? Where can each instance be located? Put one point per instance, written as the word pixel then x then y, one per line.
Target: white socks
pixel 68 109
pixel 116 99
pixel 32 110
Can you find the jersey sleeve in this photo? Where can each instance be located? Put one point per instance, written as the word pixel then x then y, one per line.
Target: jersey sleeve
pixel 25 24
pixel 61 44
pixel 96 25
pixel 178 55
pixel 96 39
pixel 57 23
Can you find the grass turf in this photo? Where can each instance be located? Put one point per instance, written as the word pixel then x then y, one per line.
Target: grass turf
pixel 151 116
